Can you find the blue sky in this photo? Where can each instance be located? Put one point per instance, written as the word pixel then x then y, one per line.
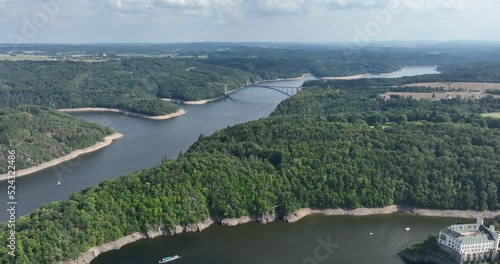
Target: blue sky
pixel 92 21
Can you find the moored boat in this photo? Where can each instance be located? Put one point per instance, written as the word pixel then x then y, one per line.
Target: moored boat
pixel 168 259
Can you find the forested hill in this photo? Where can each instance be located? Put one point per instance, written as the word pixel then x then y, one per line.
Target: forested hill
pixel 332 146
pixel 40 134
pixel 134 85
pixel 137 84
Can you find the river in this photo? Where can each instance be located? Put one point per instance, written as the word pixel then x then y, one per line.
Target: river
pixel 145 141
pixel 283 243
pixel 144 144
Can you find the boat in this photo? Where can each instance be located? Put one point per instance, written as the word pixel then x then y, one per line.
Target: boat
pixel 371 234
pixel 58 183
pixel 168 259
pixel 407 229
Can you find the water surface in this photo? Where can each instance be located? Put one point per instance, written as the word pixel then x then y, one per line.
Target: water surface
pixel 146 142
pixel 282 243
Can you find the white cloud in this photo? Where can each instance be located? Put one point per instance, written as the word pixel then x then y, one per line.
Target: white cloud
pixel 343 4
pixel 240 8
pixel 183 4
pixel 2 2
pixel 435 4
pixel 278 6
pixel 130 6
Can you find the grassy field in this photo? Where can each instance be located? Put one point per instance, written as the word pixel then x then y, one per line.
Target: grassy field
pixel 474 86
pixel 492 115
pixel 31 57
pixel 465 90
pixel 438 96
pixel 25 57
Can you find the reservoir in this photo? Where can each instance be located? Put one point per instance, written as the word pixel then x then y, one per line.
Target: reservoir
pixel 143 145
pixel 146 142
pixel 283 243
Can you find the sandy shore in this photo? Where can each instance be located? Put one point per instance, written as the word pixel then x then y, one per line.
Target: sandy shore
pixel 199 102
pixel 106 142
pixel 359 76
pixel 97 109
pixel 352 77
pixel 88 256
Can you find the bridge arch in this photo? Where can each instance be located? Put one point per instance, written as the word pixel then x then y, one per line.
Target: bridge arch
pixel 288 91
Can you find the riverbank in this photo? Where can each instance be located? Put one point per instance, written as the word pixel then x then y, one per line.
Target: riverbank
pixel 88 256
pixel 360 76
pixel 301 213
pixel 106 142
pixel 199 102
pixel 292 79
pixel 352 77
pixel 282 79
pixel 98 109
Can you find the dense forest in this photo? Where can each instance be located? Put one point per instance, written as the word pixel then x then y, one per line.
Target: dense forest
pixel 40 134
pixel 130 80
pixel 333 145
pixel 134 85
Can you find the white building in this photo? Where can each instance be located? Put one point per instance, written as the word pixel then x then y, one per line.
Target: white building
pixel 468 242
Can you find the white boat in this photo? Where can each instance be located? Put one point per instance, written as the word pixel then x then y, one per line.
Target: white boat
pixel 168 259
pixel 407 229
pixel 58 183
pixel 371 234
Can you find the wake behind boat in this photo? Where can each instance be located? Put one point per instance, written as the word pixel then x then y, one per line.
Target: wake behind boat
pixel 168 259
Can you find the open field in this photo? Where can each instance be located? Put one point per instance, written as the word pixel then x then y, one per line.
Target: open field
pixel 31 57
pixel 8 57
pixel 474 86
pixel 492 115
pixel 438 96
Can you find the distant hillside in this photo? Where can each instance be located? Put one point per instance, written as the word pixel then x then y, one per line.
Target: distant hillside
pixel 134 85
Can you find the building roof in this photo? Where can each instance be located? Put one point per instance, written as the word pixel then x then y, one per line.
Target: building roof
pixel 474 239
pixel 465 227
pixel 469 233
pixel 450 232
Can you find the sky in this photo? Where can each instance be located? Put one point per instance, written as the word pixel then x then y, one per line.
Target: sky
pixel 312 21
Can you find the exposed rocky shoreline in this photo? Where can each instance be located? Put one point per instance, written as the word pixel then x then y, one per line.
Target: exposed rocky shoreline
pixel 88 256
pixel 301 213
